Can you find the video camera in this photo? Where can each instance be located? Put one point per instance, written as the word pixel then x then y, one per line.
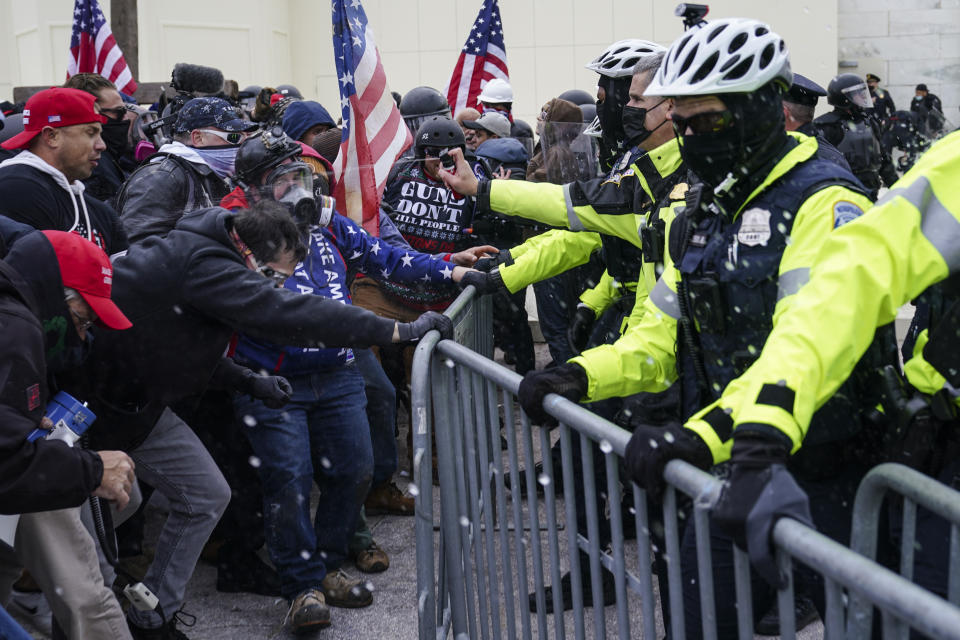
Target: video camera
pixel 691 13
pixel 189 81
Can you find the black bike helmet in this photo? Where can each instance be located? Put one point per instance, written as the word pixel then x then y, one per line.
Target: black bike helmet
pixel 262 152
pixel 849 91
pixel 577 97
pixel 439 132
pixel 420 103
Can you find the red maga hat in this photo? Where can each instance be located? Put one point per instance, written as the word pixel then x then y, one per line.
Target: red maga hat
pixel 56 107
pixel 85 267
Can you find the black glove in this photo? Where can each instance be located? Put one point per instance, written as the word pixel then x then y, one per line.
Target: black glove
pixel 486 264
pixel 413 331
pixel 580 327
pixel 759 492
pixel 274 391
pixel 651 448
pixel 484 282
pixel 568 380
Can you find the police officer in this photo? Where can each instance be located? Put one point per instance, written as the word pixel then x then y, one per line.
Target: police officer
pixel 883 106
pixel 851 128
pixel 798 108
pixel 733 270
pixel 909 239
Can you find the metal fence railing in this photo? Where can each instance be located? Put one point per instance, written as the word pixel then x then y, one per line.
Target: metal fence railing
pixel 495 544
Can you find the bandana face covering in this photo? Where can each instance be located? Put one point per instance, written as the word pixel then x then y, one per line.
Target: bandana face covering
pixel 222 159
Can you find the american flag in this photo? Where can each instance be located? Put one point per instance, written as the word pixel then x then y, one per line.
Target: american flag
pixel 374 134
pixel 94 50
pixel 482 58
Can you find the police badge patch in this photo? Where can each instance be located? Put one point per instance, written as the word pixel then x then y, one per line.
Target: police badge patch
pixel 845 211
pixel 754 227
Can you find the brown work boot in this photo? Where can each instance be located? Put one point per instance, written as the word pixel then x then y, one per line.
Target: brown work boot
pixel 373 559
pixel 345 591
pixel 308 611
pixel 388 499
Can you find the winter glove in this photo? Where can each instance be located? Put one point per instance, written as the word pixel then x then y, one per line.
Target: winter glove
pixel 580 327
pixel 485 283
pixel 759 492
pixel 274 391
pixel 486 264
pixel 413 331
pixel 652 447
pixel 568 380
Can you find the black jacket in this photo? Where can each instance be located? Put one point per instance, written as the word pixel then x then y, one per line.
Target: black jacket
pixel 45 474
pixel 30 196
pixel 157 194
pixel 186 294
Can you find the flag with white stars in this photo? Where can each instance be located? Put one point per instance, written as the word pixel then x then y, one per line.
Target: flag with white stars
pixel 482 58
pixel 374 134
pixel 93 48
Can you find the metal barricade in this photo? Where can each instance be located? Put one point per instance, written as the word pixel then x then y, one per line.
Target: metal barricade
pixel 494 546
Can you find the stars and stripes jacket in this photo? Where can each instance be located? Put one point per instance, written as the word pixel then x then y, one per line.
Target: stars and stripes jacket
pixel 331 252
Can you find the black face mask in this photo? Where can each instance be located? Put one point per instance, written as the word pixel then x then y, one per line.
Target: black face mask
pixel 114 134
pixel 754 138
pixel 634 120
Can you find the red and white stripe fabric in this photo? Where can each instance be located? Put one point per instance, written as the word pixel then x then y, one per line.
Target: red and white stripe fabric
pixel 93 48
pixel 374 134
pixel 482 58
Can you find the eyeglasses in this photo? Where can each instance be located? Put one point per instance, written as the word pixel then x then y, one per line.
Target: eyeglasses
pixel 700 123
pixel 278 277
pixel 231 137
pixel 82 323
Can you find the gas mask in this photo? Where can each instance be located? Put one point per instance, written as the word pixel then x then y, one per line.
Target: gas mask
pixel 291 184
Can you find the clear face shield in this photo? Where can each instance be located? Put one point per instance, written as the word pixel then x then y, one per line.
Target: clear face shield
pixel 568 153
pixel 859 94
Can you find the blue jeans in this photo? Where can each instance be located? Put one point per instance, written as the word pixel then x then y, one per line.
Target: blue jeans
pixel 382 415
pixel 9 629
pixel 320 436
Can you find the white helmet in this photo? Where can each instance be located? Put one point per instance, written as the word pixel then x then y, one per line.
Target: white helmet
pixel 496 91
pixel 618 60
pixel 733 55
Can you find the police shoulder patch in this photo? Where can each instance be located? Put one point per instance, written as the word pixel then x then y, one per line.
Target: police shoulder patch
pixel 845 211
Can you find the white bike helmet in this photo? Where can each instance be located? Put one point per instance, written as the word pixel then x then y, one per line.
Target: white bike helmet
pixel 733 55
pixel 618 60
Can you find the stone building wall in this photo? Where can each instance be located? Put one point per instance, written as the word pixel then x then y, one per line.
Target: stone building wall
pixel 905 42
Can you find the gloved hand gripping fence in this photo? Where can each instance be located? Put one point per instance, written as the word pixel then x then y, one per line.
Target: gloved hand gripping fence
pixel 568 380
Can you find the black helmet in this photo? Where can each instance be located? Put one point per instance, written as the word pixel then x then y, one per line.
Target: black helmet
pixel 589 112
pixel 249 92
pixel 262 152
pixel 849 91
pixel 439 131
pixel 520 129
pixel 420 103
pixel 289 91
pixel 577 96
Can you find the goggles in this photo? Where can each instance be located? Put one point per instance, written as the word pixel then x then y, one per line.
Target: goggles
pixel 293 176
pixel 701 123
pixel 230 137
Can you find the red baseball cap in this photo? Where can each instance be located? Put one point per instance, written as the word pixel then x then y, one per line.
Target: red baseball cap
pixel 56 107
pixel 85 267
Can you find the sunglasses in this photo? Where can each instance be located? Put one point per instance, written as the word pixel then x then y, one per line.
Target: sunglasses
pixel 231 137
pixel 709 122
pixel 82 323
pixel 434 152
pixel 278 277
pixel 115 114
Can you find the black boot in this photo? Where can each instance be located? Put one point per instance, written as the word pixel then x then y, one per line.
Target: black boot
pixel 608 588
pixel 246 573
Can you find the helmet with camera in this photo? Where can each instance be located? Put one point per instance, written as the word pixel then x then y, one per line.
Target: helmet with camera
pixel 268 167
pixel 418 104
pixel 439 132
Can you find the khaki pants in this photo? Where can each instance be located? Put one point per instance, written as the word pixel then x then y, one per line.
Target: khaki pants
pixel 62 557
pixel 366 293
